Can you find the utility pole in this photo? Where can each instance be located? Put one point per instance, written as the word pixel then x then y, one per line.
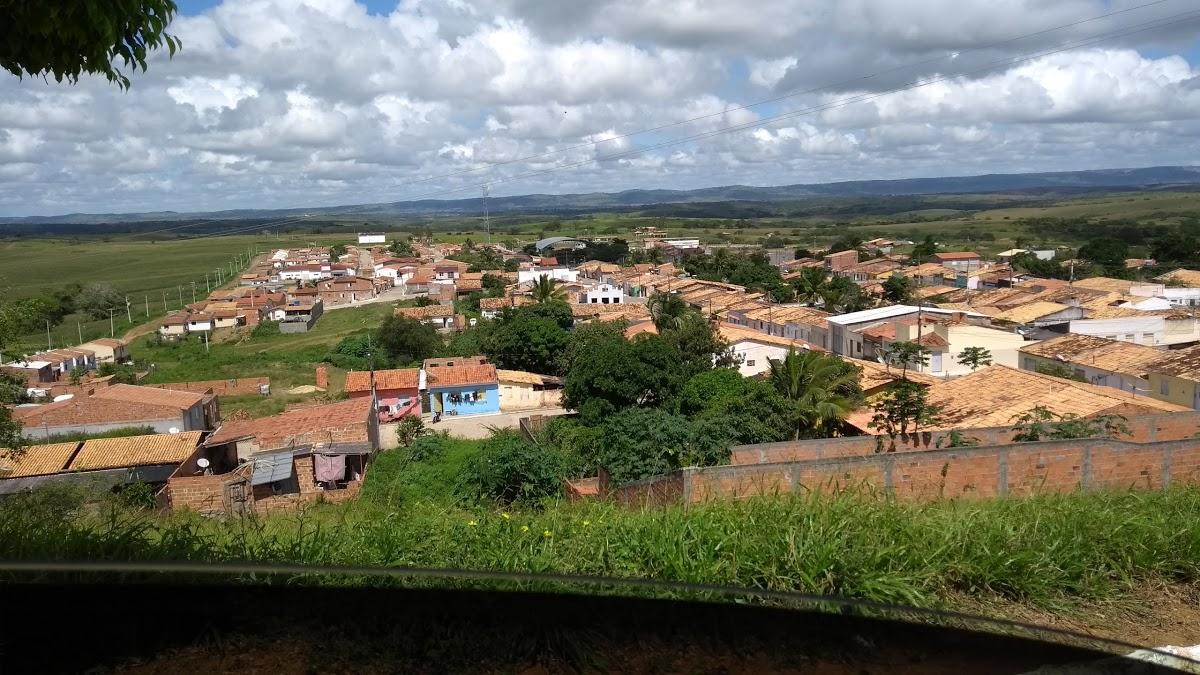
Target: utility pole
pixel 206 288
pixel 79 327
pixel 205 342
pixel 193 292
pixel 147 306
pixel 112 328
pixel 48 347
pixel 164 301
pixel 487 222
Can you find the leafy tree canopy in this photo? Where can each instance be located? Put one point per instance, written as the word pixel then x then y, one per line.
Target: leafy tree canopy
pixel 526 338
pixel 406 340
pixel 64 39
pixel 638 443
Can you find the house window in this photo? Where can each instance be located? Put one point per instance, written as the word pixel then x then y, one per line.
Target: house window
pixel 1130 337
pixel 750 362
pixel 480 395
pixel 1164 387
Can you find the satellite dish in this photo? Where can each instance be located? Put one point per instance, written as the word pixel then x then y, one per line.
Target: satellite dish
pixel 63 397
pixel 173 430
pixel 202 463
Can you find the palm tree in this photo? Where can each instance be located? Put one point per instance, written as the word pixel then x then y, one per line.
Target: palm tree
pixel 811 285
pixel 823 388
pixel 668 310
pixel 544 290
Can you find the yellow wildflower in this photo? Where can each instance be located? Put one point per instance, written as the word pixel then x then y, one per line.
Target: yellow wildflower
pixel 587 522
pixel 524 528
pixel 504 516
pixel 547 534
pixel 472 523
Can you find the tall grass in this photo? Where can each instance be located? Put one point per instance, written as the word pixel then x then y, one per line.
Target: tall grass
pixel 1044 551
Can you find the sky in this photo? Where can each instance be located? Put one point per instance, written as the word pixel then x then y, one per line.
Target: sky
pixel 294 103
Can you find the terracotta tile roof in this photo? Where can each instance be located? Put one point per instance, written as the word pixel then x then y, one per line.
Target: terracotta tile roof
pixel 609 312
pixel 732 333
pixel 182 400
pixel 458 376
pixel 876 375
pixel 639 328
pixel 930 291
pixel 519 377
pixel 956 255
pixel 91 410
pixel 501 303
pixel 176 319
pixel 37 460
pixel 106 342
pixel 1190 278
pixel 312 423
pixel 993 396
pixel 114 453
pixel 1097 352
pixel 398 378
pixel 426 312
pixel 1182 363
pixel 1108 284
pixel 1031 312
pixel 470 284
pixel 421 276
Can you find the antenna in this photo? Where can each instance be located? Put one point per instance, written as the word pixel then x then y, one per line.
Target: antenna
pixel 487 223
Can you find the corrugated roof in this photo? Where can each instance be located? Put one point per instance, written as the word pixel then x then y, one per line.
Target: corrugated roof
pixel 1183 363
pixel 114 453
pixel 1190 278
pixel 519 377
pixel 733 334
pixel 149 395
pixel 876 375
pixel 397 378
pixel 993 396
pixel 1097 352
pixel 36 460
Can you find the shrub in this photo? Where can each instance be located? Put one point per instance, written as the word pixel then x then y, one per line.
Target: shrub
pixel 510 469
pixel 265 329
pixel 426 446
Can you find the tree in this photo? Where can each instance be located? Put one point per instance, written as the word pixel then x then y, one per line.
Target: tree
pixel 810 285
pixel 975 357
pixel 98 298
pixel 509 469
pixel 408 340
pixel 802 254
pixel 638 443
pixel 618 374
pixel 847 242
pixel 337 251
pixel 842 295
pixel 750 410
pixel 1041 423
pixel 544 290
pixel 524 340
pixel 699 345
pixel 121 373
pixel 904 353
pixel 1062 370
pixel 897 289
pixel 582 341
pixel 667 310
pixel 903 407
pixel 69 38
pixel 12 435
pixel 822 388
pixel 402 248
pixel 13 389
pixel 925 249
pixel 1107 252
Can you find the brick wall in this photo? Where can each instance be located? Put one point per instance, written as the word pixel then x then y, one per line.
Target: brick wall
pixel 242 386
pixel 978 472
pixel 1143 429
pixel 203 494
pixel 654 491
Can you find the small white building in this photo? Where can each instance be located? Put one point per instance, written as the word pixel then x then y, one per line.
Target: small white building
pixel 1155 330
pixel 306 273
pixel 372 238
pixel 200 323
pixel 557 273
pixel 754 351
pixel 603 294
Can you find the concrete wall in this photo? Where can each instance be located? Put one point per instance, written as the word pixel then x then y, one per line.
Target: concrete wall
pixel 1125 382
pixel 490 402
pixel 516 396
pixel 160 426
pixel 1004 345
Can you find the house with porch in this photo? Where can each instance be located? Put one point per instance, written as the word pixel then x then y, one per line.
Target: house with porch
pixel 462 386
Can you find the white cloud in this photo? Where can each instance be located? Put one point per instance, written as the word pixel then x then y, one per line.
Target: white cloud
pixel 279 103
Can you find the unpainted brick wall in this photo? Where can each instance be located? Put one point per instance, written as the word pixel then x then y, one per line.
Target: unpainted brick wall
pixel 242 386
pixel 978 472
pixel 1143 429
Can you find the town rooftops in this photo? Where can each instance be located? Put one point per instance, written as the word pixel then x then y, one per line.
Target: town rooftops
pixel 875 375
pixel 114 453
pixel 105 342
pixel 426 312
pixel 1189 278
pixel 36 460
pixel 1109 284
pixel 458 376
pixel 315 422
pixel 501 303
pixel 1183 363
pixel 956 255
pixel 1097 352
pixel 881 313
pixel 525 377
pixel 397 378
pixel 994 396
pixel 1030 312
pixel 92 410
pixel 181 400
pixel 734 334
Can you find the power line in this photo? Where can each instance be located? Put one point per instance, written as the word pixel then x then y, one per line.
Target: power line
pixel 1157 23
pixel 790 94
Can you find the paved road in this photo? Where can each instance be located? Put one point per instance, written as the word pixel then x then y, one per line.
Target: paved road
pixel 480 426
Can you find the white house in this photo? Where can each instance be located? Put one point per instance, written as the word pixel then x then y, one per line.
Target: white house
pixel 557 273
pixel 305 273
pixel 754 351
pixel 398 274
pixel 845 336
pixel 372 238
pixel 1153 330
pixel 201 323
pixel 603 294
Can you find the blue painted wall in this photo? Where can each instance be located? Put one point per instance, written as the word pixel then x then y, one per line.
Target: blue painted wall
pixel 489 404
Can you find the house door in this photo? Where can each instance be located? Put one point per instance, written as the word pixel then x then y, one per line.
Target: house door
pixel 436 400
pixel 235 498
pixel 935 362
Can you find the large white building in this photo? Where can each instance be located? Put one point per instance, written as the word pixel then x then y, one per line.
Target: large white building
pixel 603 294
pixel 557 273
pixel 372 238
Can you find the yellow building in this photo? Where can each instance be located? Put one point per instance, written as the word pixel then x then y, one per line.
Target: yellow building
pixel 1176 377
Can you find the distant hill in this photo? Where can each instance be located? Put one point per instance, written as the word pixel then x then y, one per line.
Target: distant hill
pixel 1072 182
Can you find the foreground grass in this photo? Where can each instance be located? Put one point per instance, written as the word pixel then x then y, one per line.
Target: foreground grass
pixel 1048 551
